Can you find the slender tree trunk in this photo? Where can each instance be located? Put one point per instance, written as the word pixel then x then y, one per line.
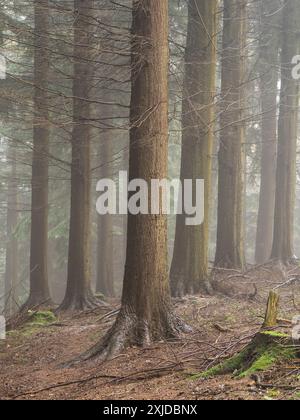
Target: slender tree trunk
pixel 283 241
pixel 78 294
pixel 11 265
pixel 39 289
pixel 105 262
pixel 269 75
pixel 230 252
pixel 146 313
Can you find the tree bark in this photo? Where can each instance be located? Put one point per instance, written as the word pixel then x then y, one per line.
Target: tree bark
pixel 79 295
pixel 105 263
pixel 39 289
pixel 283 246
pixel 11 265
pixel 146 313
pixel 269 75
pixel 230 249
pixel 272 311
pixel 189 269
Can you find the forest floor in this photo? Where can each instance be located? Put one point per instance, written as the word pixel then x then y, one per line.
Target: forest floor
pixel 31 357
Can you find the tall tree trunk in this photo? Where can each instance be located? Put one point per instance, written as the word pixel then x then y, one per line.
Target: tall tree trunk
pixel 283 246
pixel 78 294
pixel 146 313
pixel 230 251
pixel 11 265
pixel 189 269
pixel 39 289
pixel 269 75
pixel 105 263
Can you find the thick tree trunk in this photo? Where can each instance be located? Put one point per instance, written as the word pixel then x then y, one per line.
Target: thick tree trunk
pixel 230 251
pixel 269 75
pixel 189 270
pixel 11 265
pixel 78 294
pixel 39 289
pixel 283 246
pixel 146 313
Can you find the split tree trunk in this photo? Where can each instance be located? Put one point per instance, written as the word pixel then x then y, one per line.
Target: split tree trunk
pixel 78 294
pixel 146 312
pixel 39 289
pixel 269 75
pixel 283 241
pixel 230 232
pixel 189 269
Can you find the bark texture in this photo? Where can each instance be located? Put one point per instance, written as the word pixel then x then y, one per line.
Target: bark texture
pixel 230 232
pixel 11 263
pixel 39 289
pixel 283 241
pixel 105 263
pixel 272 311
pixel 78 294
pixel 189 269
pixel 269 75
pixel 146 313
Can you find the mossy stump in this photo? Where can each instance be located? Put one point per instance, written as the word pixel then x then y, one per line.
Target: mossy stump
pixel 270 346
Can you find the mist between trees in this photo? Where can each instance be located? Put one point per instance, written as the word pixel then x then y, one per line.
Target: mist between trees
pixel 188 89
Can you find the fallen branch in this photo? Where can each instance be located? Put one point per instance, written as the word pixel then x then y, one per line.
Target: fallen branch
pixel 62 385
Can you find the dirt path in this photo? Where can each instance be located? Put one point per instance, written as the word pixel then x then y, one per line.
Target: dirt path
pixel 30 360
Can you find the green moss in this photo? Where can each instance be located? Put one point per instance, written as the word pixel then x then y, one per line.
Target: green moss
pixel 229 366
pixel 275 334
pixel 100 296
pixel 36 321
pixel 297 396
pixel 273 394
pixel 266 356
pixel 42 318
pixel 264 362
pixel 265 351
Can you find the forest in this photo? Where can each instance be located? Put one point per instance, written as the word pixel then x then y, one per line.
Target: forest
pixel 149 202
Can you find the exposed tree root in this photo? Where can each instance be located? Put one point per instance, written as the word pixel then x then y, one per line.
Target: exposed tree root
pixel 80 303
pixel 177 286
pixel 129 331
pixel 180 287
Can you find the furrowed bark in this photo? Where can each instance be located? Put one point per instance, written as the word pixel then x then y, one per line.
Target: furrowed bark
pixel 230 247
pixel 39 289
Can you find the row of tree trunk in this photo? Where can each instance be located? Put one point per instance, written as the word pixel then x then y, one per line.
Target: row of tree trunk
pixel 146 312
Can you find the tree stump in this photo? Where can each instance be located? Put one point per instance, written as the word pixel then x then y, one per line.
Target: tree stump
pixel 272 311
pixel 268 347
